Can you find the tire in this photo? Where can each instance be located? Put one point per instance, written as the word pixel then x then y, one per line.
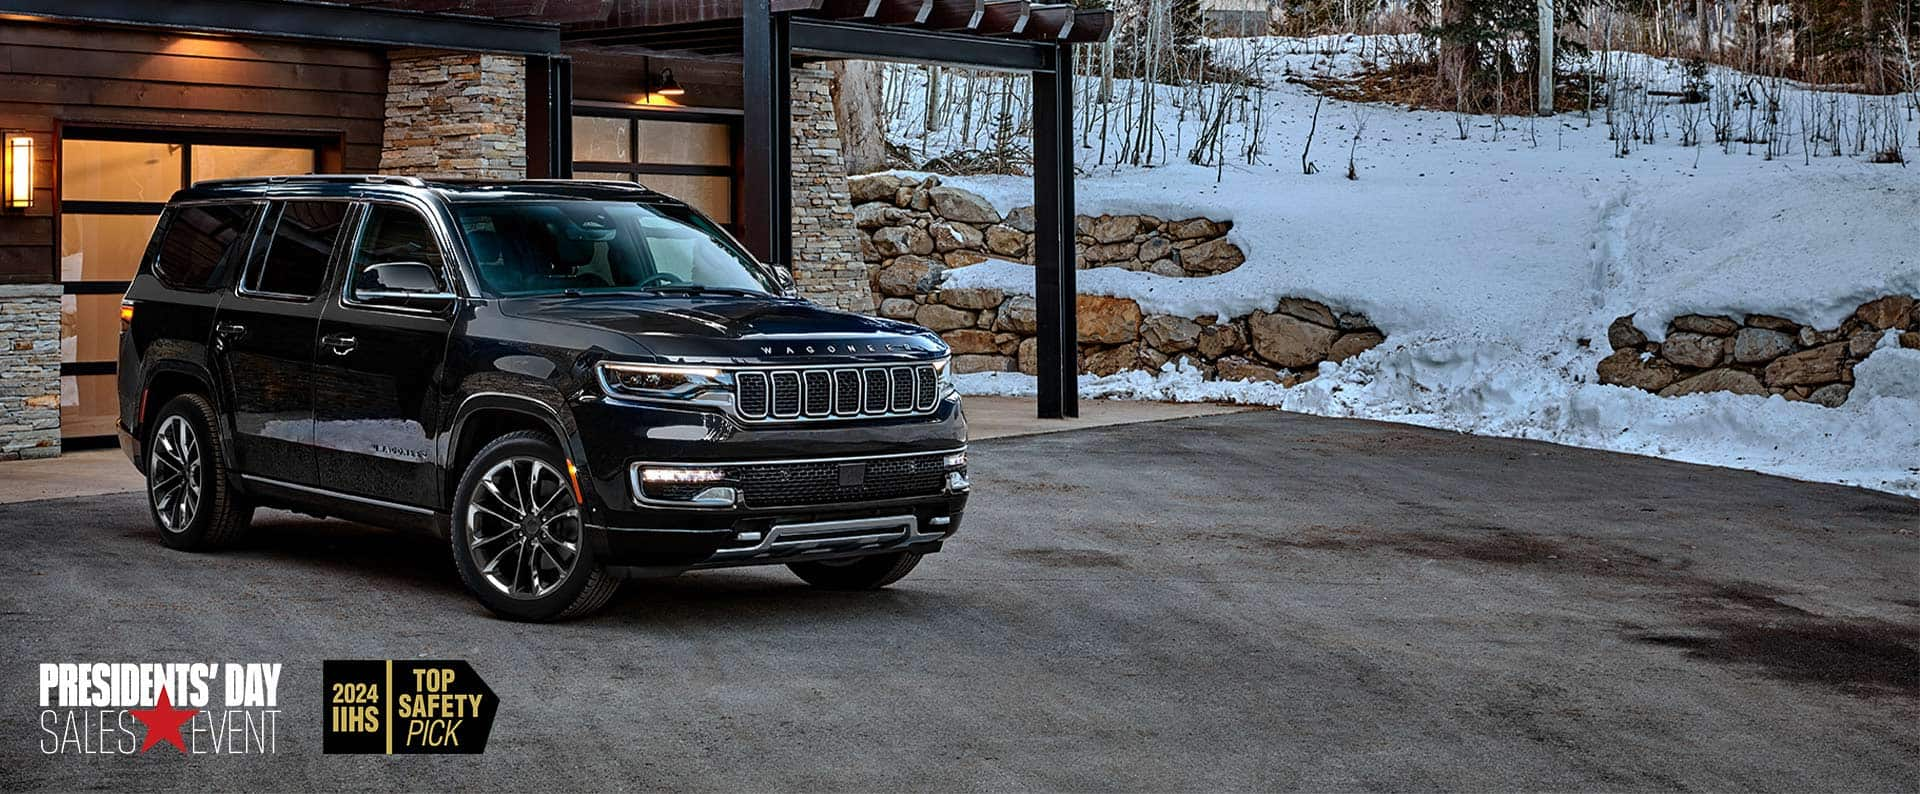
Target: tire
pixel 860 573
pixel 189 495
pixel 515 499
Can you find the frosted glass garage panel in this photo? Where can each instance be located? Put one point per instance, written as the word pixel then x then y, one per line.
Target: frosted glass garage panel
pixel 712 195
pixel 88 405
pixel 90 327
pixel 598 139
pixel 120 170
pixel 231 162
pixel 103 247
pixel 684 143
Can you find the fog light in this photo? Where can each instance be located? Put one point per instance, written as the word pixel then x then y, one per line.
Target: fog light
pixel 682 475
pixel 957 460
pixel 957 482
pixel 718 496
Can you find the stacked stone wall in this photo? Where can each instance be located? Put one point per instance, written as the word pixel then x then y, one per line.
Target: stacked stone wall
pixel 455 115
pixel 29 371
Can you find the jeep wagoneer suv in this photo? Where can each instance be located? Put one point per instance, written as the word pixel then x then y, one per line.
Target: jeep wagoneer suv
pixel 573 382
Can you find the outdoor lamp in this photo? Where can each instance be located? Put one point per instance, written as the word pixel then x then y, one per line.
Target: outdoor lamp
pixel 18 171
pixel 668 85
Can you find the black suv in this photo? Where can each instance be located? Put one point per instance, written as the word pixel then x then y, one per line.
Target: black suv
pixel 573 382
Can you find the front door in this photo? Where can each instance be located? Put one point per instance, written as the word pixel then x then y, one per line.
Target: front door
pixel 378 366
pixel 264 339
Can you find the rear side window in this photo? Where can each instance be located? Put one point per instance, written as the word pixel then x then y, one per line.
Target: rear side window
pixel 296 262
pixel 200 243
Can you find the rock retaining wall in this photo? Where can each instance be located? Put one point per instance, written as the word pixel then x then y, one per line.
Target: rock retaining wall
pixel 911 228
pixel 993 331
pixel 1758 354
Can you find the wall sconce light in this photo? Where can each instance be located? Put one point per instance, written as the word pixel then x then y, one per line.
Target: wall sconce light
pixel 17 164
pixel 668 86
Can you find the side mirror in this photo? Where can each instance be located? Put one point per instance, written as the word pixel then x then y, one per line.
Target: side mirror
pixel 400 282
pixel 783 276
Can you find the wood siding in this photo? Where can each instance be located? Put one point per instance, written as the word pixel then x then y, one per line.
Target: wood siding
pixel 54 76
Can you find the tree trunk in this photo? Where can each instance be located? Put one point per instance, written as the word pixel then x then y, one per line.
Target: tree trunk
pixel 1458 57
pixel 1706 27
pixel 856 103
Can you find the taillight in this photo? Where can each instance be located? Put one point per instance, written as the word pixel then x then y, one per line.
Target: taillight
pixel 126 313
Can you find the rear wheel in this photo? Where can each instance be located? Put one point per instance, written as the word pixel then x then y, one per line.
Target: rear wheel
pixel 518 537
pixel 188 492
pixel 859 573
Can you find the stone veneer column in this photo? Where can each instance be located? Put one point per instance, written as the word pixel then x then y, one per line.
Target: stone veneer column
pixel 455 115
pixel 29 371
pixel 826 246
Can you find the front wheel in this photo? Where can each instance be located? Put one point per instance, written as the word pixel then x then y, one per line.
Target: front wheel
pixel 518 539
pixel 860 573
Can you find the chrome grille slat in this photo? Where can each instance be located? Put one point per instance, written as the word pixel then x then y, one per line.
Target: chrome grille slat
pixel 817 393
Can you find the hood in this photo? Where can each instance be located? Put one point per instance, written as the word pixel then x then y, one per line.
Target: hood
pixel 721 328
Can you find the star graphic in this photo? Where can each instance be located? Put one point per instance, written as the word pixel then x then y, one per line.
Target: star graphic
pixel 163 722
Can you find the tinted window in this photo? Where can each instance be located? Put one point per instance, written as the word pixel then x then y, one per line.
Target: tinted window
pixel 530 248
pixel 296 260
pixel 200 243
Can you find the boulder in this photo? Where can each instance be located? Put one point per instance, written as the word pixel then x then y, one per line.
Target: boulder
pixel 1772 323
pixel 953 236
pixel 874 215
pixel 1312 311
pixel 964 206
pixel 896 240
pixel 1238 369
pixel 1118 228
pixel 898 308
pixel 987 318
pixel 1029 355
pixel 1214 256
pixel 1698 351
pixel 1220 340
pixel 1289 341
pixel 1755 345
pixel 972 297
pixel 982 363
pixel 1701 324
pixel 1156 248
pixel 963 258
pixel 1006 240
pixel 1166 267
pixel 1108 360
pixel 1819 366
pixel 1637 370
pixel 1353 344
pixel 1861 345
pixel 906 276
pixel 943 318
pixel 1814 337
pixel 873 187
pixel 1623 335
pixel 1196 228
pixel 1716 380
pixel 1021 219
pixel 1832 395
pixel 1107 321
pixel 1893 311
pixel 1355 321
pixel 1910 340
pixel 971 340
pixel 1019 315
pixel 1170 334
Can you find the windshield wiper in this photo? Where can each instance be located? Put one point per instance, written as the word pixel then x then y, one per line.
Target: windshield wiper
pixel 700 289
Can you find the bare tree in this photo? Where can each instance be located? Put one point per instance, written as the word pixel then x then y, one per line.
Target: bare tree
pixel 857 103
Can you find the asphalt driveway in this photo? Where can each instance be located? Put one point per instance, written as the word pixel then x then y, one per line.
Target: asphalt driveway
pixel 1250 601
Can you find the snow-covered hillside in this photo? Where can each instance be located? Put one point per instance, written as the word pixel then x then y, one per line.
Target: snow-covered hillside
pixel 1495 264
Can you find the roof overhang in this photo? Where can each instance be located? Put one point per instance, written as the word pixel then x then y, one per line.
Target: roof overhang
pixel 365 23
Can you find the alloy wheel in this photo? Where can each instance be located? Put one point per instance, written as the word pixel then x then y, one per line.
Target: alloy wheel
pixel 523 527
pixel 173 474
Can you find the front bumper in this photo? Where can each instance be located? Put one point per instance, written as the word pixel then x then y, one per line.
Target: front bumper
pixel 771 540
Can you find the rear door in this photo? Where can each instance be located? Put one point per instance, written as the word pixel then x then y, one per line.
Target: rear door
pixel 378 368
pixel 264 338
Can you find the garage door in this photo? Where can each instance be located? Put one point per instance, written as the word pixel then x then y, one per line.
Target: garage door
pixel 112 187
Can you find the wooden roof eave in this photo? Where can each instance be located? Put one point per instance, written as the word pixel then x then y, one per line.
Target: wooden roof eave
pixel 1090 25
pixel 1049 23
pixel 956 14
pixel 1004 18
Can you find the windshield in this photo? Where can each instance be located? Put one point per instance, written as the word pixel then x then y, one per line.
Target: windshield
pixel 536 248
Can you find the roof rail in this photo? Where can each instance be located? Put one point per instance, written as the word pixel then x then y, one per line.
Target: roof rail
pixel 372 179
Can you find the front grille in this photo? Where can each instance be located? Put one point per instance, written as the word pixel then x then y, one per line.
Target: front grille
pixel 836 393
pixel 811 483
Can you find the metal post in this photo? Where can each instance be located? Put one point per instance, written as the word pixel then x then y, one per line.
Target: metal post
pixel 766 185
pixel 1053 255
pixel 549 117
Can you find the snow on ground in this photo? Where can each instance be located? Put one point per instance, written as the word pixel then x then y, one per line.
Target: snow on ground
pixel 1494 264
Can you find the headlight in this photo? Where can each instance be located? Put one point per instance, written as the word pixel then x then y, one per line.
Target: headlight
pixel 666 383
pixel 944 368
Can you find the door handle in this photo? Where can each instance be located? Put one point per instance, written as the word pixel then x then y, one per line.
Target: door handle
pixel 340 344
pixel 230 330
